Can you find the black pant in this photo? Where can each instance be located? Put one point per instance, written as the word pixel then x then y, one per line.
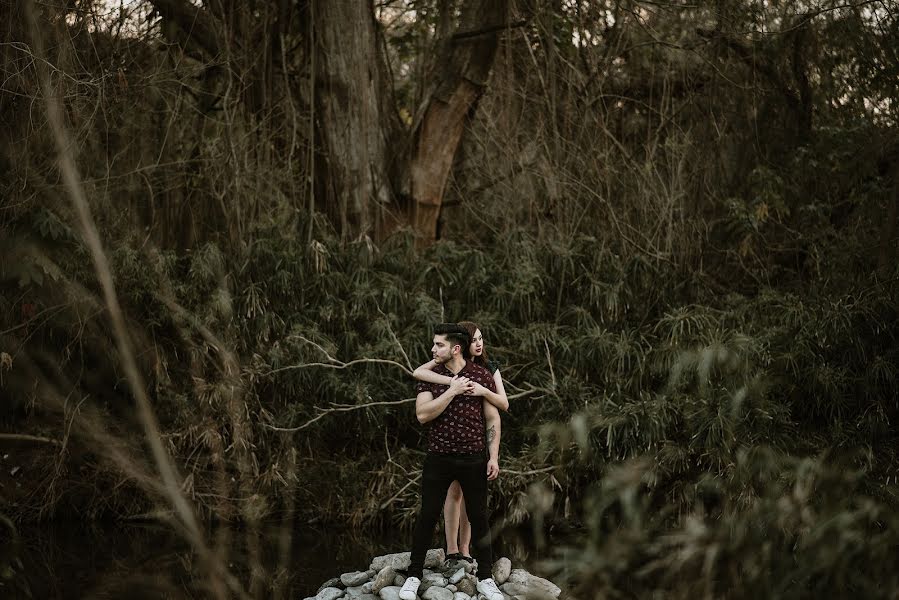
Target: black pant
pixel 438 472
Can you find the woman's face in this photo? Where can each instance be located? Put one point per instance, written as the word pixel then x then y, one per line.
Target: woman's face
pixel 477 343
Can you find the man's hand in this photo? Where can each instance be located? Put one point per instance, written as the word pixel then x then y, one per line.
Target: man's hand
pixel 492 469
pixel 460 385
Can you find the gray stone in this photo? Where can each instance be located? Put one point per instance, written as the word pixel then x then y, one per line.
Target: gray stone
pixel 334 582
pixel 521 590
pixel 369 597
pixel 451 587
pixel 401 560
pixel 461 596
pixel 501 570
pixel 355 578
pixel 532 584
pixel 391 592
pixel 436 592
pixel 467 585
pixel 385 577
pixel 368 586
pixel 457 576
pixel 451 565
pixel 400 580
pixel 354 591
pixel 434 579
pixel 329 593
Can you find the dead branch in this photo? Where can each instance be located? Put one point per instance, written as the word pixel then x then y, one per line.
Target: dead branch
pixel 24 437
pixel 337 408
pixel 531 472
pixel 387 502
pixel 334 363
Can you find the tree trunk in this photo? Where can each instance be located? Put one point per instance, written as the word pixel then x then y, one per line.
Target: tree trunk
pixel 353 120
pixel 363 162
pixel 461 79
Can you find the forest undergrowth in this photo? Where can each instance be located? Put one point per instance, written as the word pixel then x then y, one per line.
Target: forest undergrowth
pixel 697 323
pixel 741 436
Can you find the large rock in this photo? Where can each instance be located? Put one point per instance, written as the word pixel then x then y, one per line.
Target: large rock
pixel 468 586
pixel 436 592
pixel 522 576
pixel 384 578
pixel 354 591
pixel 433 579
pixel 329 593
pixel 399 580
pixel 451 587
pixel 355 578
pixel 401 560
pixel 391 592
pixel 501 570
pixel 461 596
pixel 522 583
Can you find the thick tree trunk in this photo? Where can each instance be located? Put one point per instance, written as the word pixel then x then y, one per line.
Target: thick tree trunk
pixel 353 120
pixel 462 74
pixel 360 144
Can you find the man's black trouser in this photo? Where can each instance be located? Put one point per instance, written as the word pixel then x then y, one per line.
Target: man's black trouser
pixel 438 472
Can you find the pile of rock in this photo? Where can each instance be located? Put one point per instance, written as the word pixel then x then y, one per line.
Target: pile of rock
pixel 450 580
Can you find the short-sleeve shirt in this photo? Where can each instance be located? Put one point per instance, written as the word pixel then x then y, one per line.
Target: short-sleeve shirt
pixel 460 427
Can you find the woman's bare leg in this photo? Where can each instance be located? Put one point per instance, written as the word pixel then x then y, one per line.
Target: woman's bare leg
pixel 453 513
pixel 464 529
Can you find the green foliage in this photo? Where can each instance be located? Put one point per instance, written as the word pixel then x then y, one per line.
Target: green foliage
pixel 677 274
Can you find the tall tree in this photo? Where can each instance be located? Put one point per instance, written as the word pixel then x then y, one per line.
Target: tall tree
pixel 371 173
pixel 460 79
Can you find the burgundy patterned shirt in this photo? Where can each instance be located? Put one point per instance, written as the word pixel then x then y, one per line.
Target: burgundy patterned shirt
pixel 460 427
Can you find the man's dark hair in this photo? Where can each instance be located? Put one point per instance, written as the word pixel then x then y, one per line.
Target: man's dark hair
pixel 455 334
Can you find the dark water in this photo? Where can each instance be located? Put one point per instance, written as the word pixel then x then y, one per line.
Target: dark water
pixel 64 560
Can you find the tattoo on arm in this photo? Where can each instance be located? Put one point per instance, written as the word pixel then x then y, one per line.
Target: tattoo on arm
pixel 491 433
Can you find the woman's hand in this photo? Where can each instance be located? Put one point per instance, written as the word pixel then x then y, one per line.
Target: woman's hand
pixel 460 385
pixel 477 389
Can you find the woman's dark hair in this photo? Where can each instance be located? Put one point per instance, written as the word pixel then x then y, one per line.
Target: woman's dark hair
pixel 471 328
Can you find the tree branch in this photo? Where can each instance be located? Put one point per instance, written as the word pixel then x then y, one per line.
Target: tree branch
pixel 334 363
pixel 337 408
pixel 24 437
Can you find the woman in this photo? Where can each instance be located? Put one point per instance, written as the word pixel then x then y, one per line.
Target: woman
pixel 458 529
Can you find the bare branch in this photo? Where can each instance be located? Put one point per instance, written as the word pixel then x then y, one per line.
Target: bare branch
pixel 337 408
pixel 387 502
pixel 24 437
pixel 334 363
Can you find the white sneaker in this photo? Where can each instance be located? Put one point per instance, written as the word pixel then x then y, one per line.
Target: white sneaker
pixel 489 589
pixel 410 589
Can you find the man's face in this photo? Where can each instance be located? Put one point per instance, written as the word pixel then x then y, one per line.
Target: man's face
pixel 442 350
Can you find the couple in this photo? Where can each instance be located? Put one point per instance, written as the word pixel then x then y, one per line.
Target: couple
pixel 458 399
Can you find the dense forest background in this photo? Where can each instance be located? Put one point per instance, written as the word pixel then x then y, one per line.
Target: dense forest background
pixel 228 226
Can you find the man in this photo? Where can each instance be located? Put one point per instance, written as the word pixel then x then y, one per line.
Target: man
pixel 457 451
